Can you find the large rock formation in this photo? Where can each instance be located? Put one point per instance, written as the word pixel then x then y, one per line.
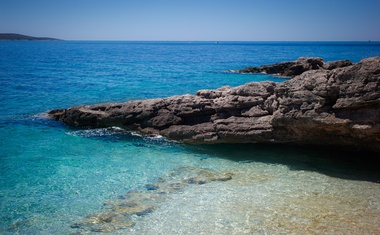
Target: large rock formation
pixel 330 104
pixel 297 67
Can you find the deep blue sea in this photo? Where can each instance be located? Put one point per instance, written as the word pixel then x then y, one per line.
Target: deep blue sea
pixel 53 176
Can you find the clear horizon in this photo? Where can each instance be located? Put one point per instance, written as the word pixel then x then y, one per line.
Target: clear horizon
pixel 189 41
pixel 165 20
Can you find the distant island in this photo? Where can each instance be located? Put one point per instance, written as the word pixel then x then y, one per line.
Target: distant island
pixel 15 37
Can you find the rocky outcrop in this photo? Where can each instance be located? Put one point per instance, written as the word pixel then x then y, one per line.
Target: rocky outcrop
pixel 330 104
pixel 294 68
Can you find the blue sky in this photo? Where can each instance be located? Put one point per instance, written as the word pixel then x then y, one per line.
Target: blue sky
pixel 209 20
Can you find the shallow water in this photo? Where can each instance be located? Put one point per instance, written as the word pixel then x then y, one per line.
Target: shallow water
pixel 264 199
pixel 53 176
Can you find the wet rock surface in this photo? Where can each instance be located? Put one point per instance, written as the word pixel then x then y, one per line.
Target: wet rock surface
pixel 334 103
pixel 120 213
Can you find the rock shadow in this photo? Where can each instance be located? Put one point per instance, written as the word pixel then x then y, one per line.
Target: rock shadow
pixel 335 162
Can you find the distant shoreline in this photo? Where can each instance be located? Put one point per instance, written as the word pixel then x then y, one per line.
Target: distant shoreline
pixel 20 37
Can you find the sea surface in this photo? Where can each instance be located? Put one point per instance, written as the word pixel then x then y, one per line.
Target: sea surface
pixel 54 178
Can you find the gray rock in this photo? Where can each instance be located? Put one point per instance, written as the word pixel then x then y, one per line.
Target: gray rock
pixel 331 103
pixel 287 69
pixel 337 64
pixel 297 67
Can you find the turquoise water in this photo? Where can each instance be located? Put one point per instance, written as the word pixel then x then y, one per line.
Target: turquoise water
pixel 53 176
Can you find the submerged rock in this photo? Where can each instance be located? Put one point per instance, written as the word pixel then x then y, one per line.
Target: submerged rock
pixel 104 222
pixel 118 214
pixel 335 103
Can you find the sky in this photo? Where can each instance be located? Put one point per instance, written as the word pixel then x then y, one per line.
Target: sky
pixel 194 20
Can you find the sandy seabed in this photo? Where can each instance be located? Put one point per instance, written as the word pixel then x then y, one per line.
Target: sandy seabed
pixel 268 199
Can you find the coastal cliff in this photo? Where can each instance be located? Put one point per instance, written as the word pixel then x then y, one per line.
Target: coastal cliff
pixel 335 104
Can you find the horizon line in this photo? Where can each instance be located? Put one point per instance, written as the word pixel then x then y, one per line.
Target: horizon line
pixel 173 40
pixel 214 41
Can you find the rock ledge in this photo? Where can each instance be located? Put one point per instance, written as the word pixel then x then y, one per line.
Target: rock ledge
pixel 335 103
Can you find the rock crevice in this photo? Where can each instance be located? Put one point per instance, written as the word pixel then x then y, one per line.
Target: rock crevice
pixel 334 103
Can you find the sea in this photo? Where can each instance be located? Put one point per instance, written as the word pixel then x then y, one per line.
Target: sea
pixel 56 179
